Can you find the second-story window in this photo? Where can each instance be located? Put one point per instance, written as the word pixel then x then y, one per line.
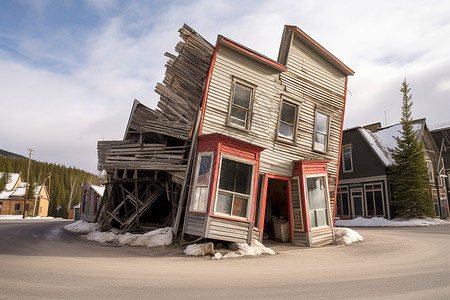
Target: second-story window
pixel 241 105
pixel 430 170
pixel 288 120
pixel 321 132
pixel 347 162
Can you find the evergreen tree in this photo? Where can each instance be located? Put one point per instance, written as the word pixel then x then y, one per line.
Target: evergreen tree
pixel 412 197
pixel 4 180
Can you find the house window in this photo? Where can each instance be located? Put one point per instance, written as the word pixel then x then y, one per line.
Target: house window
pixel 199 200
pixel 374 199
pixel 317 201
pixel 430 170
pixel 85 202
pixel 343 207
pixel 435 201
pixel 347 161
pixel 235 188
pixel 17 206
pixel 241 104
pixel 321 132
pixel 288 120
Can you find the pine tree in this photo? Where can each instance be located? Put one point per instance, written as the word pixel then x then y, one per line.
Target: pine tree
pixel 412 197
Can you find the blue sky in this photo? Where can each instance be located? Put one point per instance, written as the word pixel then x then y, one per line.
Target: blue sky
pixel 70 69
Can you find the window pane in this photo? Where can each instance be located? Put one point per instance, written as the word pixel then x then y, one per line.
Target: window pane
pixel 242 96
pixel 322 123
pixel 223 204
pixel 370 208
pixel 319 142
pixel 345 208
pixel 204 170
pixel 347 156
pixel 316 193
pixel 379 203
pixel 357 203
pixel 243 178
pixel 238 116
pixel 227 175
pixel 285 130
pixel 235 176
pixel 240 207
pixel 288 113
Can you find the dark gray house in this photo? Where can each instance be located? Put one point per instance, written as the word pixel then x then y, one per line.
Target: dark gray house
pixel 441 136
pixel 365 187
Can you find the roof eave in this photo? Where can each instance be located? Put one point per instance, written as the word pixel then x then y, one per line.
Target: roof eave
pixel 321 50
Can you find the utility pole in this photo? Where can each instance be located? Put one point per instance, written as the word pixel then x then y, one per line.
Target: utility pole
pixel 49 183
pixel 26 187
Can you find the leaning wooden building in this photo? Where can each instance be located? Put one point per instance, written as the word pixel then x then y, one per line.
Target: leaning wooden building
pixel 241 146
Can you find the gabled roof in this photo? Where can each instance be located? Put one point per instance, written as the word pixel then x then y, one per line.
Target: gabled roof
pixel 440 126
pixel 291 31
pixel 98 189
pixel 385 139
pixel 13 179
pixel 221 40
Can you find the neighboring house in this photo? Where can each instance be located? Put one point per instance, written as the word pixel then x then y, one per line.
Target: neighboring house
pixel 263 136
pixel 268 144
pixel 365 186
pixel 91 196
pixel 12 198
pixel 41 201
pixel 441 136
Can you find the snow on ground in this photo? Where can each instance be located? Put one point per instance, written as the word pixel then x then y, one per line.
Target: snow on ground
pixel 347 236
pixel 81 227
pixel 158 237
pixel 244 249
pixel 20 217
pixel 382 222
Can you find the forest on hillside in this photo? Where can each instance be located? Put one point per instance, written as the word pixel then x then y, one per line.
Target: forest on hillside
pixel 65 182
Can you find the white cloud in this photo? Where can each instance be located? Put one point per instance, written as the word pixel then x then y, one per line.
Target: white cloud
pixel 63 111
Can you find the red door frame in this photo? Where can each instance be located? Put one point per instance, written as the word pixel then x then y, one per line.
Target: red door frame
pixel 264 201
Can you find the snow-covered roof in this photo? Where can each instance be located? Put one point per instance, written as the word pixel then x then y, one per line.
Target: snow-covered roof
pixel 13 178
pixel 5 194
pixel 440 126
pixel 98 189
pixel 19 192
pixel 385 139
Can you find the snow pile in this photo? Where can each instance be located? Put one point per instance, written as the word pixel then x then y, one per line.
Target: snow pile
pixel 158 237
pixel 347 236
pixel 81 227
pixel 382 222
pixel 199 249
pixel 244 249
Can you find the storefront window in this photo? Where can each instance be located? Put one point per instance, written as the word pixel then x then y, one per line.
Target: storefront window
pixel 235 185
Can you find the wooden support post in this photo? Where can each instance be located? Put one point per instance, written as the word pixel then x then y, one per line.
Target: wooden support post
pixel 192 151
pixel 137 203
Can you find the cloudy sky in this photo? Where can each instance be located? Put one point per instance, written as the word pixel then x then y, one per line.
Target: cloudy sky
pixel 70 69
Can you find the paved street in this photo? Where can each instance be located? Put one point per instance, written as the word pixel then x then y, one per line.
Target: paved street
pixel 40 260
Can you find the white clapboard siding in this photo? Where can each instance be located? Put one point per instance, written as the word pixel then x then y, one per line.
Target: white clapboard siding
pixel 301 239
pixel 321 237
pixel 227 230
pixel 195 224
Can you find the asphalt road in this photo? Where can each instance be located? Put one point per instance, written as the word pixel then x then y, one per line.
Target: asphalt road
pixel 40 260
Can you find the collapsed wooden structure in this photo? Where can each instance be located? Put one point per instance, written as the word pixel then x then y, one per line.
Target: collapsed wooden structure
pixel 148 167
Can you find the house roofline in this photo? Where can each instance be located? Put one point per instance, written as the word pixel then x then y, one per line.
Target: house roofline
pixel 316 47
pixel 251 53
